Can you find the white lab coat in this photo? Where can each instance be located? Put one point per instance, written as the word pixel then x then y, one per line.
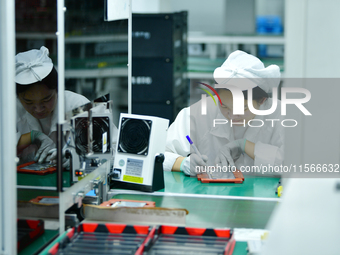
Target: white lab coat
pixel 269 141
pixel 26 122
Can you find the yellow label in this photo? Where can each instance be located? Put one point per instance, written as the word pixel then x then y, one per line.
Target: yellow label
pixel 129 178
pixel 102 64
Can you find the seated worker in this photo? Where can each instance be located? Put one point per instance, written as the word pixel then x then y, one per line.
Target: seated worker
pixel 225 139
pixel 37 103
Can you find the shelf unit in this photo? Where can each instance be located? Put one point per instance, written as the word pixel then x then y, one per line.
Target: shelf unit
pixel 202 67
pixel 237 39
pixel 82 40
pixel 205 65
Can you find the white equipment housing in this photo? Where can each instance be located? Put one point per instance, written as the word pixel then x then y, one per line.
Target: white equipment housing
pixel 139 157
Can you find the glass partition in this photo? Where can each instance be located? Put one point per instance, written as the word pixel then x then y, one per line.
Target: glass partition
pixel 96 53
pixel 96 57
pixel 35 26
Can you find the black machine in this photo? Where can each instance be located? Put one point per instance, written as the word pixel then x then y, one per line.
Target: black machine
pixel 159 51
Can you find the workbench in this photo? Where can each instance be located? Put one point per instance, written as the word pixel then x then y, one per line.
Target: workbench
pixel 213 205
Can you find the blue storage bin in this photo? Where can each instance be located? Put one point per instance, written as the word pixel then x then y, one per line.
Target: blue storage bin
pixel 269 24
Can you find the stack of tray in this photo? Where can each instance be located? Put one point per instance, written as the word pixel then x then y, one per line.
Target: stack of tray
pixel 92 238
pixel 180 240
pixel 110 238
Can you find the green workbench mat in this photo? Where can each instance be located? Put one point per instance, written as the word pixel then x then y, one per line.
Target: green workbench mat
pixel 252 186
pixel 40 242
pixel 240 248
pixel 48 180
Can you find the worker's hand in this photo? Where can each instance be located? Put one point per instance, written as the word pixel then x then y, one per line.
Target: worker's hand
pixel 53 158
pixel 230 152
pixel 192 165
pixel 45 145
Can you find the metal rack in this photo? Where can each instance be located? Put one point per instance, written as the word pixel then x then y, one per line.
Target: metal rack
pixel 8 233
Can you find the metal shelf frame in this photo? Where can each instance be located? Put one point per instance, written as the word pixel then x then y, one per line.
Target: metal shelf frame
pixel 8 192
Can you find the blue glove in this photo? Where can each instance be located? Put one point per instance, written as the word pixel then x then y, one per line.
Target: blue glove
pixel 45 144
pixel 191 165
pixel 231 152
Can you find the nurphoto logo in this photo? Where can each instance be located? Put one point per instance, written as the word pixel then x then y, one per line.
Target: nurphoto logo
pixel 238 103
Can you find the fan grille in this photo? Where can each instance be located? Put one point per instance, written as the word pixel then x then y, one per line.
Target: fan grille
pixel 101 125
pixel 134 136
